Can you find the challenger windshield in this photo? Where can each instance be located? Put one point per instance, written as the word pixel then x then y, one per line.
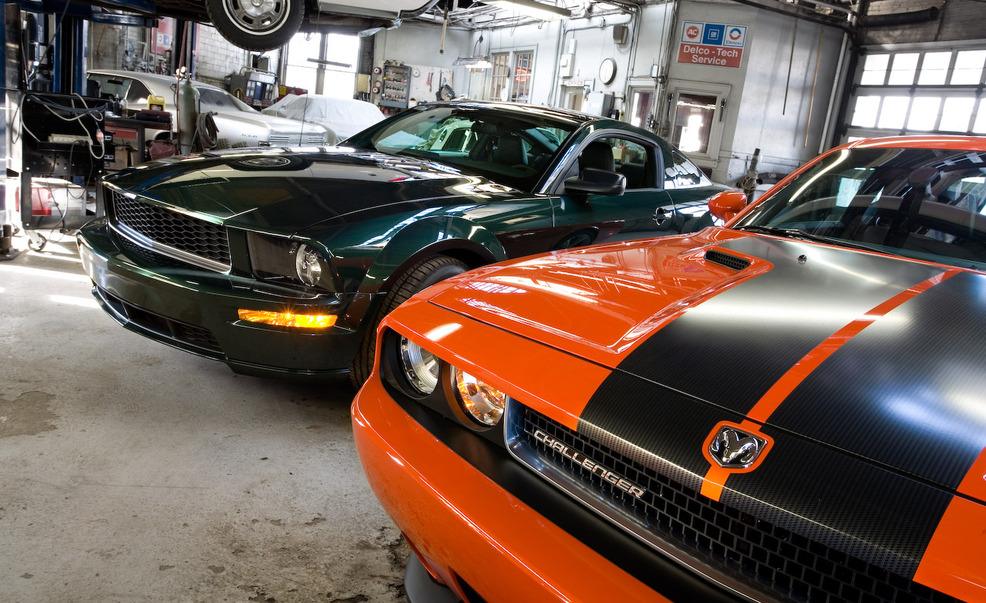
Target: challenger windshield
pixel 922 203
pixel 508 147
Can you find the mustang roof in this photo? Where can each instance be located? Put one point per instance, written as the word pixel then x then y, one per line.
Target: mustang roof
pixel 552 112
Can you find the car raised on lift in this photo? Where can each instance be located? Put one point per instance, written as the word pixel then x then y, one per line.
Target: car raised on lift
pixel 283 261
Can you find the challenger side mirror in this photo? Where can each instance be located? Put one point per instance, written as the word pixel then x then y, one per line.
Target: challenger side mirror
pixel 596 182
pixel 727 204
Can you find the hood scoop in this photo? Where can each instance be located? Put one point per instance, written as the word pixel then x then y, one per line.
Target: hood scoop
pixel 728 260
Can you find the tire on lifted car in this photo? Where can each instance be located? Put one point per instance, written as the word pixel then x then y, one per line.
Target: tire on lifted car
pixel 265 27
pixel 417 278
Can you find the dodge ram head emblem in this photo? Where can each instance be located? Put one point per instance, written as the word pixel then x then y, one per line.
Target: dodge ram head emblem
pixel 735 449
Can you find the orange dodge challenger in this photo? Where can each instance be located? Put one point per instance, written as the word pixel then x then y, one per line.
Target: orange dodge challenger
pixel 792 407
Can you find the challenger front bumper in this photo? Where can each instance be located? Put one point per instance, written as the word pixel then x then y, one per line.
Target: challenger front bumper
pixel 481 523
pixel 196 310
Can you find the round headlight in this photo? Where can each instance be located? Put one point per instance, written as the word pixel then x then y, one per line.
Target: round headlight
pixel 481 402
pixel 309 265
pixel 419 365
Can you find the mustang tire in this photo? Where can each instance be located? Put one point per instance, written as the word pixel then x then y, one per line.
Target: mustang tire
pixel 418 278
pixel 265 27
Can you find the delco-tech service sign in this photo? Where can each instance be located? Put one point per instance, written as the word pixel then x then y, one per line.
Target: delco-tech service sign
pixel 715 44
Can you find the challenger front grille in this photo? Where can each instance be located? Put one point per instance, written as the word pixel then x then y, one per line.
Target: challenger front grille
pixel 171 232
pixel 765 558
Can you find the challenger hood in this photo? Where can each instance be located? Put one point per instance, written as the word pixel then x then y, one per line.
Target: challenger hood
pixel 290 191
pixel 871 355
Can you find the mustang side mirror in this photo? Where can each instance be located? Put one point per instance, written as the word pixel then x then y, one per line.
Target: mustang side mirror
pixel 727 204
pixel 596 182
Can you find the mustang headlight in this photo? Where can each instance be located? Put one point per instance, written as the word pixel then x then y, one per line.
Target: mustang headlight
pixel 281 259
pixel 481 402
pixel 420 366
pixel 308 265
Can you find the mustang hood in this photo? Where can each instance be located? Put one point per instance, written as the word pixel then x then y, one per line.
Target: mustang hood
pixel 875 356
pixel 292 191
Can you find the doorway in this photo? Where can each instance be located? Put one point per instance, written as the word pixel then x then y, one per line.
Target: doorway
pixel 695 115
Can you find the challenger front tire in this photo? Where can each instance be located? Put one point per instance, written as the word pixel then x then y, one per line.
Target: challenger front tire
pixel 257 24
pixel 417 278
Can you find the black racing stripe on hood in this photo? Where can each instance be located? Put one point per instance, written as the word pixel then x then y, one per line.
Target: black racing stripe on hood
pixel 858 508
pixel 657 427
pixel 732 348
pixel 910 390
pixel 817 493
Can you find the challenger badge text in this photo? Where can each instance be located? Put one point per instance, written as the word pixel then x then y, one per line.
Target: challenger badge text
pixel 590 465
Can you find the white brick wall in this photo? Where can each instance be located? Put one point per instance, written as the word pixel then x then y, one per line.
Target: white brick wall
pixel 215 57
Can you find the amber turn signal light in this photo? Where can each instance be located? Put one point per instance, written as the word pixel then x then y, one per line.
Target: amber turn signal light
pixel 288 319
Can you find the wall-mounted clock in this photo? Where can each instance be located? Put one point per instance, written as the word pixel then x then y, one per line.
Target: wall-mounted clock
pixel 607 71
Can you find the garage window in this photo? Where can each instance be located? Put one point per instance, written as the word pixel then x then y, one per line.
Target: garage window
pixel 323 63
pixel 917 90
pixel 511 76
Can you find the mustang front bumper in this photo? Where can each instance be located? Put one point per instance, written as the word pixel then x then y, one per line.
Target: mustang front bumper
pixel 196 310
pixel 456 504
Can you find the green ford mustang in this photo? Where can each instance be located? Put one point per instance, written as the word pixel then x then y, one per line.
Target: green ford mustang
pixel 283 261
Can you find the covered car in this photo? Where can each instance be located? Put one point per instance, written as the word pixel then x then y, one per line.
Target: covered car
pixel 341 117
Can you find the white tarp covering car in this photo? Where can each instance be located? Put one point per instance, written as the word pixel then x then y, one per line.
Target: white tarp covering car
pixel 342 117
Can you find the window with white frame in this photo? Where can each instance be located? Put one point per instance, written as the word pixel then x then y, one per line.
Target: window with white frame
pixel 338 67
pixel 918 90
pixel 500 77
pixel 512 76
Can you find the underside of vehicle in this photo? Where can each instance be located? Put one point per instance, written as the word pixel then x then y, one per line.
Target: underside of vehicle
pixel 267 24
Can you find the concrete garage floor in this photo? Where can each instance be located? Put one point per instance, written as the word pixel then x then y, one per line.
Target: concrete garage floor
pixel 132 471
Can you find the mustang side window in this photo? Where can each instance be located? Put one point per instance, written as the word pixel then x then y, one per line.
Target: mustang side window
pixel 635 161
pixel 679 172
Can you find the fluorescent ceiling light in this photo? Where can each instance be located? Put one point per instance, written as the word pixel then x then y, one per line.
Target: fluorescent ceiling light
pixel 531 8
pixel 473 63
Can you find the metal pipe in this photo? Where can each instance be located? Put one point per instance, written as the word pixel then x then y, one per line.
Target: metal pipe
pixel 845 26
pixel 441 44
pixel 814 83
pixel 838 87
pixel 836 7
pixel 918 16
pixel 410 14
pixel 790 64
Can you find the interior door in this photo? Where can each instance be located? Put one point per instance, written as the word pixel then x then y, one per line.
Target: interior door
pixel 645 209
pixel 695 114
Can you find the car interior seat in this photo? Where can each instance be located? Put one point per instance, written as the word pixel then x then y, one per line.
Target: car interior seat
pixel 597 155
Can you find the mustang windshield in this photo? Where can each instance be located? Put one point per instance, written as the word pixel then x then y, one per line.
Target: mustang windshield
pixel 923 203
pixel 510 148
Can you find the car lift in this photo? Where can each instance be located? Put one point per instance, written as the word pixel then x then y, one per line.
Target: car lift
pixel 60 68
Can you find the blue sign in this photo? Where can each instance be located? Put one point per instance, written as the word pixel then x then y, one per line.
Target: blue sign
pixel 713 34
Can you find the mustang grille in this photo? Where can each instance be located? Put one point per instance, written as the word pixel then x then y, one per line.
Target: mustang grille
pixel 174 229
pixel 197 337
pixel 770 559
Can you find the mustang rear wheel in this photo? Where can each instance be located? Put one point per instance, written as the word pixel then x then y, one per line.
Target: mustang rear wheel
pixel 257 24
pixel 417 278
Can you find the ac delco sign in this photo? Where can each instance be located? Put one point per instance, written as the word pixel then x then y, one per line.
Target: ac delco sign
pixel 715 44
